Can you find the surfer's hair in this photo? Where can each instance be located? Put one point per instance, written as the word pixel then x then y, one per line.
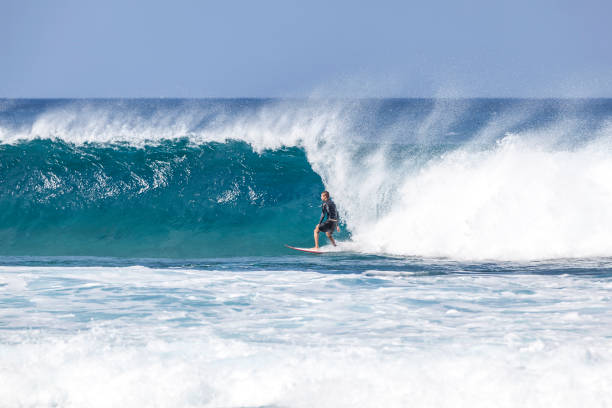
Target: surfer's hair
pixel 326 193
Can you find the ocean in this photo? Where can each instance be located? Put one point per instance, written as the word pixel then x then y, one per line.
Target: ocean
pixel 142 257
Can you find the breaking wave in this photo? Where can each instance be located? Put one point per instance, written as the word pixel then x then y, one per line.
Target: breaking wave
pixel 467 179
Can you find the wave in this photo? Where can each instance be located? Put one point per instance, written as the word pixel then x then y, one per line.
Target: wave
pixel 467 179
pixel 169 200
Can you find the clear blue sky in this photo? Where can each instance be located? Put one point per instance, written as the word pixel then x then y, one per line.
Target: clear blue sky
pixel 107 48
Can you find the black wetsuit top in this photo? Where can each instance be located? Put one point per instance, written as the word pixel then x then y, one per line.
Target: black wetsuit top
pixel 329 208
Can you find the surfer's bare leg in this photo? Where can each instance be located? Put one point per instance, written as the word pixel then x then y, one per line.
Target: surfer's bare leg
pixel 330 237
pixel 316 237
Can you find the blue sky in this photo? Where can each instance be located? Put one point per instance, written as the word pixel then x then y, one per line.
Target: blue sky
pixel 264 48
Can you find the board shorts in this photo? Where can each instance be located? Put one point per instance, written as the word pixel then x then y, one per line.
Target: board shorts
pixel 328 226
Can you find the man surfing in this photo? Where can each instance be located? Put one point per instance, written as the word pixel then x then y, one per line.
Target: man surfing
pixel 328 209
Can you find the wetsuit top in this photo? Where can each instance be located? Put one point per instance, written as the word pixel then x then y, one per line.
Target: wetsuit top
pixel 329 208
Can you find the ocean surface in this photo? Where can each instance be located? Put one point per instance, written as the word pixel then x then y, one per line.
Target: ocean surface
pixel 142 258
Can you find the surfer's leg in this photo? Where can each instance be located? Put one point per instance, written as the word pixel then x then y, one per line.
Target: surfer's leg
pixel 330 237
pixel 316 237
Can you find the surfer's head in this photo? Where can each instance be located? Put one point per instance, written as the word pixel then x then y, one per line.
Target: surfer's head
pixel 325 196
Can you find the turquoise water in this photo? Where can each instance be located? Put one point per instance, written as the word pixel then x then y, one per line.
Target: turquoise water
pixel 168 200
pixel 142 259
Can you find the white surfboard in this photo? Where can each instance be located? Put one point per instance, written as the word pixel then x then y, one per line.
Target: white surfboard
pixel 309 250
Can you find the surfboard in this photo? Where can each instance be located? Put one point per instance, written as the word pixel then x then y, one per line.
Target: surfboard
pixel 309 250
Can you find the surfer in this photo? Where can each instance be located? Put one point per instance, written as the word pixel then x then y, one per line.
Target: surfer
pixel 328 209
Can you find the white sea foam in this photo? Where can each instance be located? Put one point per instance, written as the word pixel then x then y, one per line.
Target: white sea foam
pixel 516 201
pixel 106 336
pixel 533 195
pixel 84 370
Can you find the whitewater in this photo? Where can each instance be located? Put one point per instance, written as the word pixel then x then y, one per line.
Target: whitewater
pixel 142 259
